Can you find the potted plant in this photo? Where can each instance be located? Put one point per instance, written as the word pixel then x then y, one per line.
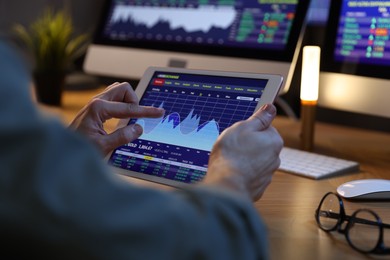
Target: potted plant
pixel 53 46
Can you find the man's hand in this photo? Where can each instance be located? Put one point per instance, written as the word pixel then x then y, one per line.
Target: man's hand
pixel 246 155
pixel 117 101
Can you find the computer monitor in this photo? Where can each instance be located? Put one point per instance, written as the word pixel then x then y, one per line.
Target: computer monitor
pixel 355 72
pixel 261 36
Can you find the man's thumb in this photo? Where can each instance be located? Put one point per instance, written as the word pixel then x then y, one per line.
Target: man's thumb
pixel 262 118
pixel 124 135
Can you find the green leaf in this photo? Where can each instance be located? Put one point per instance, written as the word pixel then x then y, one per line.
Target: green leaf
pixel 51 40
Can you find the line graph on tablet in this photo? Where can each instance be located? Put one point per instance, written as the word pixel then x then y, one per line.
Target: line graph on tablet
pixel 198 108
pixel 193 121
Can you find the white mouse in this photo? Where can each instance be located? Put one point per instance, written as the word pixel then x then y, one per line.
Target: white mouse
pixel 365 189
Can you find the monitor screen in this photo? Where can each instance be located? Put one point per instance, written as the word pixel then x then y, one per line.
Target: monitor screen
pixel 356 58
pixel 231 35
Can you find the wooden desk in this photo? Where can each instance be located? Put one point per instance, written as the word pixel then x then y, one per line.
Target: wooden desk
pixel 289 203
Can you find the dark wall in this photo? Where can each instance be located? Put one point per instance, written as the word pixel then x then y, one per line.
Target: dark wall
pixel 85 13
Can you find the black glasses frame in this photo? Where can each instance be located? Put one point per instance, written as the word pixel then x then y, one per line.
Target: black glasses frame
pixel 341 217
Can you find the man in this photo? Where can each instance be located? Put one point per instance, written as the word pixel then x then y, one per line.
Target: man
pixel 59 200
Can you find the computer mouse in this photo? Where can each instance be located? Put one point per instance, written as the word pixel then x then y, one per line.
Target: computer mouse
pixel 365 189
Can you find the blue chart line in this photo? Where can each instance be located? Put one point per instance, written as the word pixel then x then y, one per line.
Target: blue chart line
pixel 188 133
pixel 190 121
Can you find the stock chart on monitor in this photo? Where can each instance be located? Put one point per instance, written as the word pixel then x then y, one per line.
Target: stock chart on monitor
pixel 363 32
pixel 197 109
pixel 235 23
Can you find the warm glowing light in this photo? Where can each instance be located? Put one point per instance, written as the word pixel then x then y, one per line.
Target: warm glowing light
pixel 310 74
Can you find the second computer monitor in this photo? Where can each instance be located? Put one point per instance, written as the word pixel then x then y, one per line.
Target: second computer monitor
pixel 355 74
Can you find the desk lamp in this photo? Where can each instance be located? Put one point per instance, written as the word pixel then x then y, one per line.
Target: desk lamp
pixel 309 94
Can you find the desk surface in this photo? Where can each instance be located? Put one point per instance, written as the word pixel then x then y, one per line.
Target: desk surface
pixel 288 205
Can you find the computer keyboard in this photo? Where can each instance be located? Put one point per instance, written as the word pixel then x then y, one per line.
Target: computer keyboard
pixel 313 165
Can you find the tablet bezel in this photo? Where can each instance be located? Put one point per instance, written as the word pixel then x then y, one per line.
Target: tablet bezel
pixel 271 91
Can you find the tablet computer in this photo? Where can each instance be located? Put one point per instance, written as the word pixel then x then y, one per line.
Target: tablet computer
pixel 174 149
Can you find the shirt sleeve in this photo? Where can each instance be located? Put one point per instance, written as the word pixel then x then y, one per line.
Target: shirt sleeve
pixel 56 190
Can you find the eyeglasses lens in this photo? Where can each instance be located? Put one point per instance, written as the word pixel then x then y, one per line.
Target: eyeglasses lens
pixel 364 236
pixel 329 212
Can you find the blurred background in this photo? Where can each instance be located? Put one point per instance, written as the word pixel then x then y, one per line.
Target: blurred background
pixel 85 15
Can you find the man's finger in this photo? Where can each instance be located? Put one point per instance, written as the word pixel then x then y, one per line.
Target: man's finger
pixel 120 92
pixel 262 118
pixel 111 109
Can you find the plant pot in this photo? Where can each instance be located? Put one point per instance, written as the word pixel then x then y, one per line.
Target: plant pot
pixel 49 86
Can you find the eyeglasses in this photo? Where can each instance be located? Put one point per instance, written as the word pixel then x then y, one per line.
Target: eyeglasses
pixel 363 231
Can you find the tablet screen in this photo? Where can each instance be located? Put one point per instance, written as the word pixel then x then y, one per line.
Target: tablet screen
pixel 197 109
